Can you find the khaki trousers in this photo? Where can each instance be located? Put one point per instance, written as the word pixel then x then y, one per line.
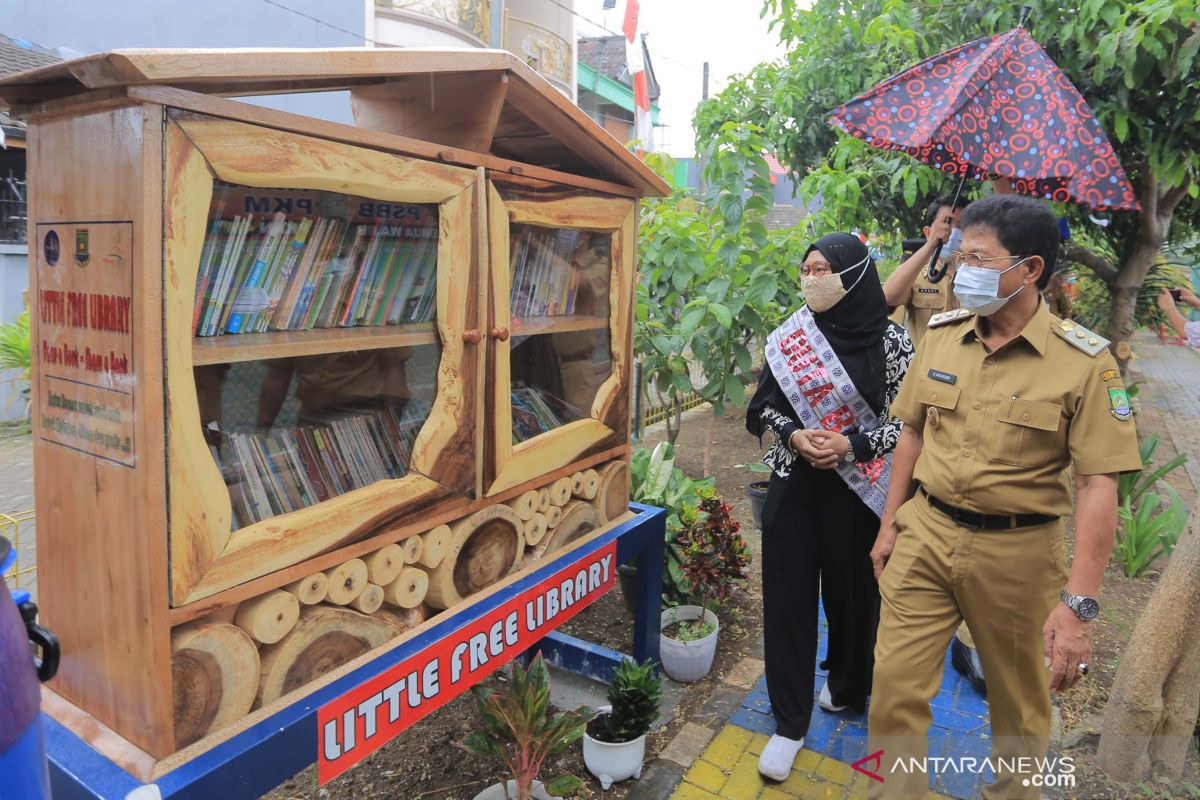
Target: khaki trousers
pixel 1004 584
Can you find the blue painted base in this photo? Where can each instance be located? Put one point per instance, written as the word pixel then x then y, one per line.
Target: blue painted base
pixel 258 759
pixel 23 773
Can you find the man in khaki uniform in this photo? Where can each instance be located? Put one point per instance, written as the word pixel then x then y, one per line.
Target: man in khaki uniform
pixel 995 406
pixel 909 286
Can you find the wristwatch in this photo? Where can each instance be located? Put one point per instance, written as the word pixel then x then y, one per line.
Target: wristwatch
pixel 1086 608
pixel 849 458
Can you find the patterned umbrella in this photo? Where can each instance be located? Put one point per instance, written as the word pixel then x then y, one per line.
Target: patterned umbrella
pixel 995 106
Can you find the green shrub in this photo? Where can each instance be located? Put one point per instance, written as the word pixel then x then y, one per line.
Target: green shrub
pixel 634 696
pixel 520 732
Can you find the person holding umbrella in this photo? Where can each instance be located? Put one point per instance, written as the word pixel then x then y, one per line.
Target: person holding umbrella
pixel 1001 398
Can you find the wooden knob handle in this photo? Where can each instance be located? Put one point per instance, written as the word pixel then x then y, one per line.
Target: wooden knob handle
pixel 500 333
pixel 471 336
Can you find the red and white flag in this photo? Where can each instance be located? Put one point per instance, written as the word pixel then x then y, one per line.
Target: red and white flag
pixel 636 61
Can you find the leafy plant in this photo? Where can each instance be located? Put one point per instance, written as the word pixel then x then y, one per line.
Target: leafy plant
pixel 520 732
pixel 15 352
pixel 715 558
pixel 713 282
pixel 1150 524
pixel 1132 485
pixel 658 482
pixel 1150 532
pixel 634 695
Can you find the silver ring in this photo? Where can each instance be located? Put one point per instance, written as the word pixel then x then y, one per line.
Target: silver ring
pixel 1083 668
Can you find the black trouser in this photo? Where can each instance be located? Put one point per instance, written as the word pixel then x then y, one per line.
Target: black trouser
pixel 817 536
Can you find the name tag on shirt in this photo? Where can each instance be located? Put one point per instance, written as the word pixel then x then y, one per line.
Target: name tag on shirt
pixel 944 377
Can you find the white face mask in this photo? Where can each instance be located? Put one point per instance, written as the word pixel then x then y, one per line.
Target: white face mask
pixel 823 292
pixel 978 288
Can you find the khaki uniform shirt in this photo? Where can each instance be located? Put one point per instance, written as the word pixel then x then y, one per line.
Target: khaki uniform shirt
pixel 999 428
pixel 925 299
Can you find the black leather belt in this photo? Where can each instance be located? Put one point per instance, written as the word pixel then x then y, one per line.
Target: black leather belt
pixel 990 522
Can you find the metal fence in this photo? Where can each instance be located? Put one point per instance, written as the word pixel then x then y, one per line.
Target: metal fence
pixel 20 575
pixel 12 209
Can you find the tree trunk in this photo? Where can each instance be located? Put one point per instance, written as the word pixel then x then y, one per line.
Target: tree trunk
pixel 1151 713
pixel 1154 224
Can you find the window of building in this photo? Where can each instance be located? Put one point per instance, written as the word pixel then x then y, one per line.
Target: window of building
pixel 13 216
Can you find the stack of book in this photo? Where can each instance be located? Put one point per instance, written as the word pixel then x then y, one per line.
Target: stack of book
pixel 278 471
pixel 545 279
pixel 535 411
pixel 274 273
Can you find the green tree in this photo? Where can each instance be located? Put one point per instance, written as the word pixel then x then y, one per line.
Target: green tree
pixel 712 281
pixel 1134 61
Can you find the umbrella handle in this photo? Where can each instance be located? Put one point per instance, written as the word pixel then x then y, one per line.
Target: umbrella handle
pixel 934 272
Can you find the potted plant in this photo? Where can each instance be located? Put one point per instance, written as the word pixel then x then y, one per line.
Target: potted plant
pixel 656 481
pixel 16 355
pixel 520 732
pixel 614 744
pixel 757 491
pixel 715 558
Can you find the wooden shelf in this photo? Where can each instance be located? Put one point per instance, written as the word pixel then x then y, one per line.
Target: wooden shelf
pixel 530 326
pixel 283 344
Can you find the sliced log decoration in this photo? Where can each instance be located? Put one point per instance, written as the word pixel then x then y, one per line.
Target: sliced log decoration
pixel 270 617
pixel 414 548
pixel 578 519
pixel 543 500
pixel 577 483
pixel 404 618
pixel 346 581
pixel 435 545
pixel 553 517
pixel 560 492
pixel 535 529
pixel 484 548
pixel 613 498
pixel 324 639
pixel 214 678
pixel 311 590
pixel 385 564
pixel 591 484
pixel 409 588
pixel 370 600
pixel 526 505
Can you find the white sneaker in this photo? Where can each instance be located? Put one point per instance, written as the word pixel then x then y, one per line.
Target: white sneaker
pixel 778 756
pixel 825 701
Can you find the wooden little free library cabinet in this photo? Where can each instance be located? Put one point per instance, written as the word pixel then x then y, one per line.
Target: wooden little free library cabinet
pixel 299 385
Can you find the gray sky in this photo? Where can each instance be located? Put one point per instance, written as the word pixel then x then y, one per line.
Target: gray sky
pixel 681 36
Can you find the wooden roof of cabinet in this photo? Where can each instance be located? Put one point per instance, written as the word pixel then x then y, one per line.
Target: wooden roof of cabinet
pixel 469 107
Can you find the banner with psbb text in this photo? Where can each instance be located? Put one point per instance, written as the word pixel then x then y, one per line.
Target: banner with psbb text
pixel 361 721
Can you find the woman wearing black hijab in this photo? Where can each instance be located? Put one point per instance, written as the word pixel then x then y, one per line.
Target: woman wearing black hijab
pixel 841 361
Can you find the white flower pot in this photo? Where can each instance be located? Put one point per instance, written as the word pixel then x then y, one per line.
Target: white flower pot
pixel 496 792
pixel 614 761
pixel 687 661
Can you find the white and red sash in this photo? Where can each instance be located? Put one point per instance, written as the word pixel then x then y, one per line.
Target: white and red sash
pixel 823 397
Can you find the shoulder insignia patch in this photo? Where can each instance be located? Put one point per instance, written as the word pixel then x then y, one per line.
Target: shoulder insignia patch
pixel 1080 337
pixel 1110 374
pixel 947 317
pixel 1119 400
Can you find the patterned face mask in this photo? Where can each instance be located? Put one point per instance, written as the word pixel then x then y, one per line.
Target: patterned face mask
pixel 823 292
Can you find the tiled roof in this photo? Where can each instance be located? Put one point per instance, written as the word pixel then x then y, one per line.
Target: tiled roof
pixel 18 55
pixel 606 55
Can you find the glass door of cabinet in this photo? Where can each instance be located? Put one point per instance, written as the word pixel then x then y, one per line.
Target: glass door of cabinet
pixel 321 389
pixel 561 306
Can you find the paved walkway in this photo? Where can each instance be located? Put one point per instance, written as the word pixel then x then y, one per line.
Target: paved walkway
pixel 1172 393
pixel 728 768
